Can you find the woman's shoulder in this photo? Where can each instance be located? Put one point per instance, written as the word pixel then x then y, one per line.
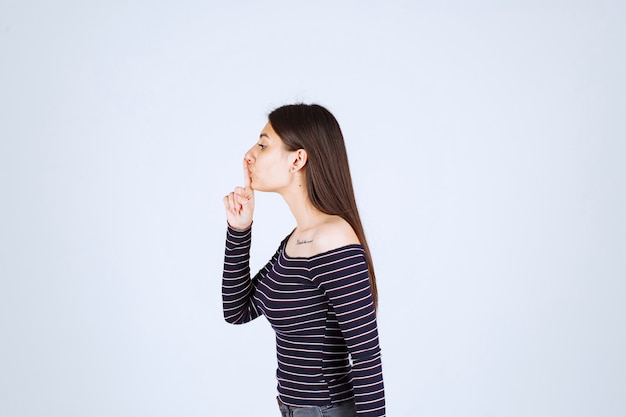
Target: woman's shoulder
pixel 334 233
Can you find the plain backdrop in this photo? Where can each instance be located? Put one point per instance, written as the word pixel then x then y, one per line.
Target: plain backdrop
pixel 487 142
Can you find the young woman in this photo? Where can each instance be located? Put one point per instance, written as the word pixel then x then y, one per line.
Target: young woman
pixel 318 291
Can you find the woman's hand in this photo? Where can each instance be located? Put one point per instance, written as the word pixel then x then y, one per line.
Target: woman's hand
pixel 240 203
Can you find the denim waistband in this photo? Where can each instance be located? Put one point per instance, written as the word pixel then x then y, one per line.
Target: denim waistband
pixel 344 408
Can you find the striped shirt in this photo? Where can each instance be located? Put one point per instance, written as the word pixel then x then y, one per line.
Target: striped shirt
pixel 322 311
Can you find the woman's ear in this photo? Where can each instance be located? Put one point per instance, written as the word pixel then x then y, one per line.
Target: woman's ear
pixel 298 160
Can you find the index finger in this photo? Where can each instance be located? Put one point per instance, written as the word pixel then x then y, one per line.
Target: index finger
pixel 246 175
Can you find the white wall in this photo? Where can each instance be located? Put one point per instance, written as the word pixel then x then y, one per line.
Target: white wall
pixel 487 145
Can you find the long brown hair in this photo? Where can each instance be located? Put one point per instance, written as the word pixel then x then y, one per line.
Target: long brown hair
pixel 329 185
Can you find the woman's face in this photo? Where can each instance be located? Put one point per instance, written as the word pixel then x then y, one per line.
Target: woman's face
pixel 269 162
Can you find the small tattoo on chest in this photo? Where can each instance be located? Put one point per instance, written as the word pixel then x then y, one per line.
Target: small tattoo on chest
pixel 302 242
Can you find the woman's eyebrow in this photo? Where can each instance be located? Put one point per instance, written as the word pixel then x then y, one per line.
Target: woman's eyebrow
pixel 263 135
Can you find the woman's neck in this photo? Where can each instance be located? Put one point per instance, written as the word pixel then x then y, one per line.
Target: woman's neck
pixel 305 214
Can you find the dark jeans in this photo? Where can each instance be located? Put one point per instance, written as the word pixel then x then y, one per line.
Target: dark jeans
pixel 344 409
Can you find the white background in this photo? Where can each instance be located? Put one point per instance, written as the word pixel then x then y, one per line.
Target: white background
pixel 487 143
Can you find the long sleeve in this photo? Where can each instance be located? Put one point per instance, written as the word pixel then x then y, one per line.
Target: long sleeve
pixel 344 278
pixel 237 286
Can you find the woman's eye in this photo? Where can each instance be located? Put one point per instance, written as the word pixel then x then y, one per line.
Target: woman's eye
pixel 262 146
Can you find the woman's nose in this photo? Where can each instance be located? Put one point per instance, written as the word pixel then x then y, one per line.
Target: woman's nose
pixel 249 155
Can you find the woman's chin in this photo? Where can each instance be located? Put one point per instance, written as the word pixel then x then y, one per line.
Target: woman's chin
pixel 256 186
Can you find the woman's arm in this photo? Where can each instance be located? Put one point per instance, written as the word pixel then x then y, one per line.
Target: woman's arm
pixel 237 287
pixel 344 277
